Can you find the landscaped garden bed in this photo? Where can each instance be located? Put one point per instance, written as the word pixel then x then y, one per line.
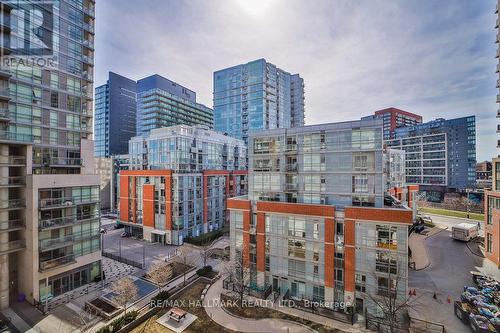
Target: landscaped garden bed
pixel 202 324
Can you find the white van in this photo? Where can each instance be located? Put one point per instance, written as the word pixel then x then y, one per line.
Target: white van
pixel 464 231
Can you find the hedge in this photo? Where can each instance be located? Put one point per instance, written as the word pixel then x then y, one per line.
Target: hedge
pixel 118 323
pixel 205 238
pixel 204 270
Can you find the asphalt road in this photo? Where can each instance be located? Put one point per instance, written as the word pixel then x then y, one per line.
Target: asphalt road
pixel 451 263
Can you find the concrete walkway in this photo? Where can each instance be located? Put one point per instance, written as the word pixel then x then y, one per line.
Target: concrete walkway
pixel 246 325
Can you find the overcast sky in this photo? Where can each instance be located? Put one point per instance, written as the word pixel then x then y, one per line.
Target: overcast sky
pixel 431 57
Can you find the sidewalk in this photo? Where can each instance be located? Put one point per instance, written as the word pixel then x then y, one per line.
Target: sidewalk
pixel 246 325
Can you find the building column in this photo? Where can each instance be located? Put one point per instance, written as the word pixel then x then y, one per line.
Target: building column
pixel 329 258
pixel 261 249
pixel 349 262
pixel 4 236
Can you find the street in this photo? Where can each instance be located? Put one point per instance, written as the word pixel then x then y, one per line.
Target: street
pixel 450 264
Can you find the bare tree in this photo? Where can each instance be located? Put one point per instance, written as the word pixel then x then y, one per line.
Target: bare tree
pixel 124 291
pixel 239 275
pixel 160 273
pixel 187 260
pixel 390 301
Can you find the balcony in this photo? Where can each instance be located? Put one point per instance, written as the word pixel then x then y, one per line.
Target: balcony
pixel 88 59
pixel 90 11
pixel 5 94
pixel 88 27
pixel 291 187
pixel 12 181
pixel 12 246
pixel 291 148
pixel 12 225
pixel 65 202
pixel 64 221
pixel 498 128
pixel 89 44
pixel 54 243
pixel 12 160
pixel 12 204
pixel 57 262
pixel 89 77
pixel 59 161
pixel 6 6
pixel 4 49
pixel 4 115
pixel 292 167
pixel 4 74
pixel 15 137
pixel 387 245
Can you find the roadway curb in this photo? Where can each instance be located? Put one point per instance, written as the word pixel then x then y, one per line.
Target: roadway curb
pixel 454 217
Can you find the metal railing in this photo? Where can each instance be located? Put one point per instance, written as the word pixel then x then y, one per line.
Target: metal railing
pixel 5 92
pixel 4 113
pixel 89 11
pixel 15 136
pixel 12 246
pixel 15 160
pixel 11 224
pixel 88 27
pixel 54 202
pixel 63 221
pixel 10 181
pixel 60 241
pixel 12 203
pixel 58 161
pixel 56 262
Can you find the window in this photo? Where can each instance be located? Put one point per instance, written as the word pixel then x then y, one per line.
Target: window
pixel 360 280
pixel 489 242
pixel 386 286
pixel 387 237
pixel 386 262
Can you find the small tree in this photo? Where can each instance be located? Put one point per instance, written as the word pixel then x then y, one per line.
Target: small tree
pixel 392 305
pixel 186 259
pixel 160 273
pixel 124 291
pixel 238 274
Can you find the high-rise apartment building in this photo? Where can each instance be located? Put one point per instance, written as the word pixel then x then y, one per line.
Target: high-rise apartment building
pixel 314 226
pixel 256 96
pixel 440 154
pixel 49 195
pixel 492 198
pixel 394 118
pixel 115 115
pixel 178 181
pixel 164 103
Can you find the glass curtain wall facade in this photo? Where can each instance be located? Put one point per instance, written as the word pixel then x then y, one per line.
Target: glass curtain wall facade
pixel 164 103
pixel 256 96
pixel 115 115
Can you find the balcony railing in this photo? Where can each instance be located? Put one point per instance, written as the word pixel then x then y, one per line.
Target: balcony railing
pixel 64 221
pixel 12 160
pixel 11 224
pixel 291 187
pixel 58 242
pixel 54 202
pixel 89 11
pixel 5 93
pixel 88 27
pixel 66 161
pixel 4 114
pixel 387 245
pixel 291 167
pixel 56 262
pixel 12 181
pixel 88 59
pixel 12 246
pixel 9 136
pixel 88 43
pixel 12 204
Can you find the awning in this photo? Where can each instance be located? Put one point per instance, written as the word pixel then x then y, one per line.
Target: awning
pixel 158 232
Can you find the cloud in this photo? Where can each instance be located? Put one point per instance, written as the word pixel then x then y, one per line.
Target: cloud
pixel 429 57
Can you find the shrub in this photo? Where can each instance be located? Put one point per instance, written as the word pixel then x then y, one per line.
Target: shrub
pixel 205 238
pixel 118 323
pixel 162 296
pixel 204 270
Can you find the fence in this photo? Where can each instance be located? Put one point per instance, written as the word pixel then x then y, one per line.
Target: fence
pixel 414 325
pixel 123 260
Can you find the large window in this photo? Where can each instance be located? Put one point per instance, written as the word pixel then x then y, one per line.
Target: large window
pixel 386 262
pixel 387 237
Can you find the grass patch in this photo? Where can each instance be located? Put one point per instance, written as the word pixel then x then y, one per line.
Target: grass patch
pixel 202 324
pixel 261 313
pixel 452 213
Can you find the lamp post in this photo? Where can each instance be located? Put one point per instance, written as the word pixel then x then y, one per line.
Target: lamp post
pixel 102 231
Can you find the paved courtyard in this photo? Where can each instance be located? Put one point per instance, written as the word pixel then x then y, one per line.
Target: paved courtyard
pixel 135 249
